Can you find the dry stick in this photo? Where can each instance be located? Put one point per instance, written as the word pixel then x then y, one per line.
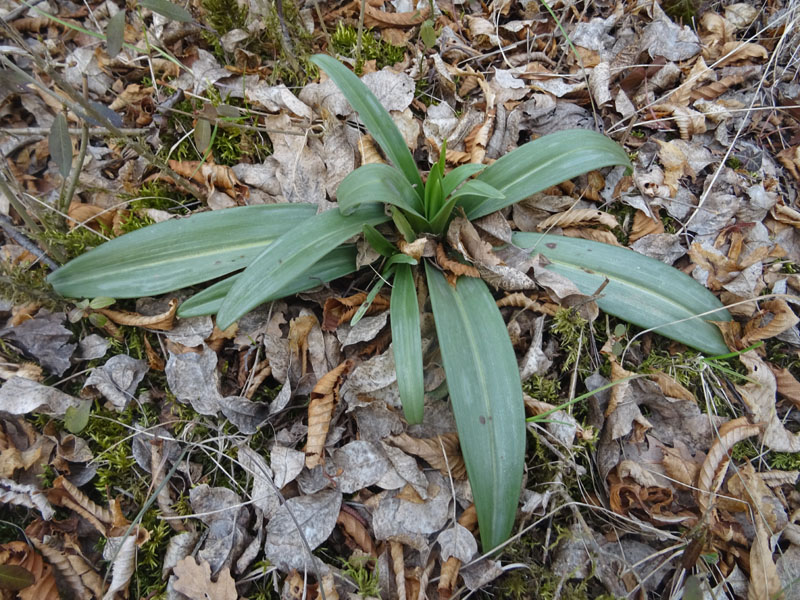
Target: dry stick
pixel 23 240
pixel 68 191
pixel 93 131
pixel 360 30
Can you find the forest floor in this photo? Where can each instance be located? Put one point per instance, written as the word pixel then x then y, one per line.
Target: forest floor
pixel 143 455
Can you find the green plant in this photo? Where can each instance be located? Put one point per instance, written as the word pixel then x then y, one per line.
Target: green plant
pixel 287 248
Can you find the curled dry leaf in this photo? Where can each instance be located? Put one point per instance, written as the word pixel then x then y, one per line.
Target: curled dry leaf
pixel 451 567
pixel 161 322
pixel 399 567
pixel 121 553
pixel 374 17
pixel 671 387
pixel 194 581
pixel 765 584
pixel 782 318
pixel 520 300
pixel 64 571
pixel 689 122
pixel 27 495
pixel 597 235
pixel 453 266
pixel 581 217
pixel 324 397
pixel 90 215
pixel 644 225
pixel 441 452
pixel 299 329
pixel 212 176
pixel 787 385
pixel 356 531
pixel 341 310
pixel 741 52
pixel 63 493
pixel 369 151
pixel 712 472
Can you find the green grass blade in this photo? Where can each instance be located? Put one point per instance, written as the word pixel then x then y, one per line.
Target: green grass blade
pixel 458 175
pixel 177 253
pixel 373 293
pixel 544 162
pixel 375 117
pixel 486 393
pixel 407 344
pixel 377 183
pixel 640 289
pixel 340 262
pixel 379 243
pixel 291 255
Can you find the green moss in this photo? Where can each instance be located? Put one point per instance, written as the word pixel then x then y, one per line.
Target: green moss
pixel 364 573
pixel 682 11
pixel 222 16
pixel 543 388
pixel 345 41
pixel 24 283
pixel 568 327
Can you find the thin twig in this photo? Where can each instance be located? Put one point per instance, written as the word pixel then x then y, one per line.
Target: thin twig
pixel 93 131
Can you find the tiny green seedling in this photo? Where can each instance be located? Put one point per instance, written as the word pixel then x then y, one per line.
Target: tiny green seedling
pixel 284 249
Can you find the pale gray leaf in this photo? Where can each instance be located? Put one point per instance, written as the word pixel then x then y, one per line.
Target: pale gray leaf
pixel 167 9
pixel 20 396
pixel 117 379
pixel 192 331
pixel 459 542
pixel 92 346
pixel 246 415
pixel 316 516
pixel 286 463
pixel 222 511
pixel 193 378
pixel 45 338
pixel 357 465
pixel 263 493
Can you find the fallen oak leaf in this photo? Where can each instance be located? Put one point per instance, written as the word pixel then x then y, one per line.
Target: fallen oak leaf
pixel 194 581
pixel 340 310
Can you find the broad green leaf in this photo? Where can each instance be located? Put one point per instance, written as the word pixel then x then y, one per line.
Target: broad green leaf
pixel 544 162
pixel 485 389
pixel 470 189
pixel 398 259
pixel 15 577
pixel 403 226
pixel 291 255
pixel 177 253
pixel 407 344
pixel 375 117
pixel 340 262
pixel 167 9
pixel 458 175
pixel 379 243
pixel 433 191
pixel 378 184
pixel 115 33
pixel 640 289
pixel 101 302
pixel 77 417
pixel 60 145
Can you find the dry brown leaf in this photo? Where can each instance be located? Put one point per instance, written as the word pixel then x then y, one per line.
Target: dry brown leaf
pixel 740 52
pixel 747 486
pixel 783 318
pixel 89 215
pixel 430 450
pixel 787 385
pixel 194 581
pixel 212 176
pixel 765 584
pixel 21 554
pixel 340 310
pixel 520 300
pixel 374 17
pixel 671 387
pixel 423 246
pixel 299 329
pixel 89 577
pixel 678 468
pixel 63 570
pixel 161 322
pixel 64 493
pixel 453 266
pixel 596 235
pixel 689 121
pixel 399 567
pixel 355 530
pixel 717 88
pixel 785 214
pixel 712 472
pixel 643 225
pixel 595 182
pixel 324 397
pixel 33 24
pixel 369 151
pixel 581 217
pixel 790 158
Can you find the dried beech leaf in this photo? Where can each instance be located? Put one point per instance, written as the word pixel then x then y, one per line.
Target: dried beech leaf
pixel 451 567
pixel 194 581
pixel 431 451
pixel 716 463
pixel 161 322
pixel 212 176
pixel 121 552
pixel 374 17
pixel 64 571
pixel 356 530
pixel 783 318
pixel 765 584
pixel 64 493
pixel 580 217
pixel 787 385
pixel 320 410
pixel 22 555
pixel 341 310
pixel 26 495
pixel 453 266
pixel 644 225
pixel 671 387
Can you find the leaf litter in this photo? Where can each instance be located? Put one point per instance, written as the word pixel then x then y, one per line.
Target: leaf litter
pixel 278 452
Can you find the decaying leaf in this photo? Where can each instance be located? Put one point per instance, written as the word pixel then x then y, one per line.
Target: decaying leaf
pixel 162 322
pixel 452 564
pixel 716 463
pixel 355 529
pixel 324 397
pixel 341 310
pixel 194 581
pixel 63 493
pixel 212 176
pixel 764 581
pixel 44 584
pixel 775 317
pixel 441 452
pixel 28 495
pixel 580 217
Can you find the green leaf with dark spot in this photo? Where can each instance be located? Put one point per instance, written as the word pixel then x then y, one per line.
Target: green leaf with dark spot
pixel 115 33
pixel 15 577
pixel 60 145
